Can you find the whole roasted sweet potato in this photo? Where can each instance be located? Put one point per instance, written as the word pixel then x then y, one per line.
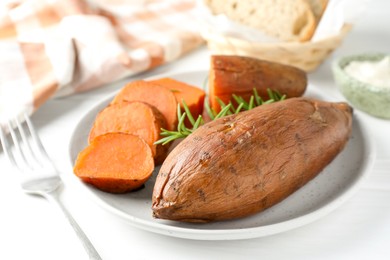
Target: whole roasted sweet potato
pixel 242 164
pixel 230 74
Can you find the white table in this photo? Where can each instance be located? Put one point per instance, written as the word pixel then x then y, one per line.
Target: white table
pixel 30 228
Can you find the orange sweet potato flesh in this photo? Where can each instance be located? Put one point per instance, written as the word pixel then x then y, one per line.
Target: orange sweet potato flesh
pixel 136 118
pixel 239 75
pixel 115 163
pixel 241 164
pixel 154 95
pixel 192 96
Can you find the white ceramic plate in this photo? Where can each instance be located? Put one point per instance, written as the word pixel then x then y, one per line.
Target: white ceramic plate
pixel 320 196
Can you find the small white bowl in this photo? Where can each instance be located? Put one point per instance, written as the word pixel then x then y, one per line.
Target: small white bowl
pixel 372 99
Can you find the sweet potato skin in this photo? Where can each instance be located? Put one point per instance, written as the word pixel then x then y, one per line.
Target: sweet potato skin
pixel 242 164
pixel 230 74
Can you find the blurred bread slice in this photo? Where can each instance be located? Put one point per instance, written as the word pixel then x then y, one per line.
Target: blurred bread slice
pixel 288 20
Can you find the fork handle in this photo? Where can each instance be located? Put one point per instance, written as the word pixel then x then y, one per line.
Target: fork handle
pixel 89 248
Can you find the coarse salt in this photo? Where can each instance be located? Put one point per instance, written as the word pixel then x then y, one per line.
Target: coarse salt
pixel 376 73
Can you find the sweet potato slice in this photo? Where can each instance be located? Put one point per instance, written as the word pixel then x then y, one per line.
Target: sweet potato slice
pixel 241 164
pixel 152 94
pixel 192 96
pixel 136 118
pixel 115 162
pixel 240 75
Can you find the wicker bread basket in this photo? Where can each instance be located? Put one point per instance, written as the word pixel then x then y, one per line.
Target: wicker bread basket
pixel 305 55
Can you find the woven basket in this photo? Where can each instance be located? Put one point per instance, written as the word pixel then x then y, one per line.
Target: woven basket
pixel 305 55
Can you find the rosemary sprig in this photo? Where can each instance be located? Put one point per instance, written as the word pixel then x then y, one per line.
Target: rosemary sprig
pixel 254 101
pixel 226 109
pixel 182 130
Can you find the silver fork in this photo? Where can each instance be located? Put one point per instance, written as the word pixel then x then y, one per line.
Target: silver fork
pixel 38 174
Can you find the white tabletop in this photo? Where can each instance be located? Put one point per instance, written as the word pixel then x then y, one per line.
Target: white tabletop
pixel 30 228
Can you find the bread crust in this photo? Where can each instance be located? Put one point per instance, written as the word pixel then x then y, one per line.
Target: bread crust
pixel 318 7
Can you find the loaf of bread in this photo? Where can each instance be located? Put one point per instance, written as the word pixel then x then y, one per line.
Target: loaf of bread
pixel 288 20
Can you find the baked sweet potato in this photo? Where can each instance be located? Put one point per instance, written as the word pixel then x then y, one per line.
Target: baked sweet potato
pixel 192 96
pixel 240 75
pixel 242 164
pixel 137 118
pixel 144 91
pixel 115 163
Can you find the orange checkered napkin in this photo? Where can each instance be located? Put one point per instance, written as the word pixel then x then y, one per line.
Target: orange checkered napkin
pixel 58 47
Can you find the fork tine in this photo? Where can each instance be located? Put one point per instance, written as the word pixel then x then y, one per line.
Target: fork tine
pixel 6 145
pixel 23 148
pixel 23 163
pixel 27 144
pixel 23 156
pixel 35 138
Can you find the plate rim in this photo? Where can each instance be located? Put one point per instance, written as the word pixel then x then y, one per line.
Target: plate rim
pixel 240 233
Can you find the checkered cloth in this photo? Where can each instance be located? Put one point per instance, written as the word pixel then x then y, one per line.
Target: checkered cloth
pixel 58 47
